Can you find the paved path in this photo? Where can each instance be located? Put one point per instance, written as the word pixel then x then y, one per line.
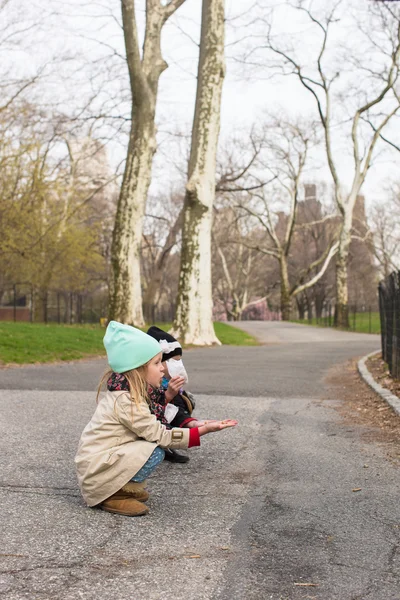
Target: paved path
pixel 256 510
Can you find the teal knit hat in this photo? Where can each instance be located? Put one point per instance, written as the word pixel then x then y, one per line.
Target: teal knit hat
pixel 127 347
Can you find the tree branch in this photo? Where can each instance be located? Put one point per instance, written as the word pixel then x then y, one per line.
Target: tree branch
pixel 333 250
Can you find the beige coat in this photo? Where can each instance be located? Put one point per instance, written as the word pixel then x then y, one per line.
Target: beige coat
pixel 117 442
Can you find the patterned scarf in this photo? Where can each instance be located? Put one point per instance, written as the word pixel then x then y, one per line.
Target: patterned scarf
pixel 156 396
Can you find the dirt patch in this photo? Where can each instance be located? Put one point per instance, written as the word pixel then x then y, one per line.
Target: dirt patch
pixel 380 372
pixel 362 406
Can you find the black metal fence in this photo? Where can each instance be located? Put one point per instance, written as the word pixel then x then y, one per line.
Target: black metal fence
pixel 362 318
pixel 389 308
pixel 22 302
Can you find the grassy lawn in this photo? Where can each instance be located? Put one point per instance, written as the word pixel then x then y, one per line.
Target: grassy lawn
pixel 35 342
pixel 227 334
pixel 359 322
pixel 23 343
pixel 232 336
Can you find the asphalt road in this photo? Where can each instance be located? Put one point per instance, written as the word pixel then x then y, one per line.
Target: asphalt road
pixel 256 512
pixel 291 362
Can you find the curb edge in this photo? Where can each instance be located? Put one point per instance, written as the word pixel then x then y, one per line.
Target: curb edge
pixel 390 398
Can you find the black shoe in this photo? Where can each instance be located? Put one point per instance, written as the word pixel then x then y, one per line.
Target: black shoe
pixel 174 456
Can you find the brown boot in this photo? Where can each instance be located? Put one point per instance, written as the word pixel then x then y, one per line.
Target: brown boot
pixel 136 490
pixel 122 503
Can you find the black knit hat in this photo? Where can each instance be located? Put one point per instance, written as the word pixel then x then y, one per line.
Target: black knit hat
pixel 169 345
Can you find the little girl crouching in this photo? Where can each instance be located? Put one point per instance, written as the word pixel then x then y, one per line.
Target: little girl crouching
pixel 123 442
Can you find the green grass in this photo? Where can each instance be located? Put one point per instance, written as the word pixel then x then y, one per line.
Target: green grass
pixel 36 342
pixel 232 336
pixel 227 334
pixel 24 343
pixel 359 322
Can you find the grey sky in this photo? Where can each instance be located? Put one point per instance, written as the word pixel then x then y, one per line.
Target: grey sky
pixel 92 31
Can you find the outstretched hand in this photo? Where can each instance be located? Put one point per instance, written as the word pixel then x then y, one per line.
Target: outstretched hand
pixel 219 425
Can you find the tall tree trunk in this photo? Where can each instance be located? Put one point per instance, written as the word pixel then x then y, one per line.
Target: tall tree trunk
pixel 319 304
pixel 300 301
pixel 286 300
pixel 309 309
pixel 125 298
pixel 193 323
pixel 341 318
pixel 125 302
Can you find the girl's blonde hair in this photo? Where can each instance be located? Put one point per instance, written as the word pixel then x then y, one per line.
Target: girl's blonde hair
pixel 136 381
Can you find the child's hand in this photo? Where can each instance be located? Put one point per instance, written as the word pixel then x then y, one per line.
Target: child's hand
pixel 211 426
pixel 174 385
pixel 200 423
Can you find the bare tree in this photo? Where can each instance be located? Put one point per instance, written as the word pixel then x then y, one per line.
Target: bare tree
pixel 160 239
pixel 193 323
pixel 274 207
pixel 385 228
pixel 125 300
pixel 315 227
pixel 370 106
pixel 240 274
pixel 17 25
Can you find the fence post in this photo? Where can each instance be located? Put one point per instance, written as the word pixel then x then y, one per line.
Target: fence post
pixel 396 326
pixel 389 322
pixel 45 306
pixel 78 309
pixel 15 302
pixel 80 298
pixel 31 315
pixel 387 305
pixel 382 318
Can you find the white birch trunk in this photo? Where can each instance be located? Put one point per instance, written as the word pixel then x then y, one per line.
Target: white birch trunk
pixel 125 299
pixel 194 319
pixel 342 259
pixel 126 291
pixel 286 299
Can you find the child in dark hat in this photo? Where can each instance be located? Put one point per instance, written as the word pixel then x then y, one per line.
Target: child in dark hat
pixel 178 408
